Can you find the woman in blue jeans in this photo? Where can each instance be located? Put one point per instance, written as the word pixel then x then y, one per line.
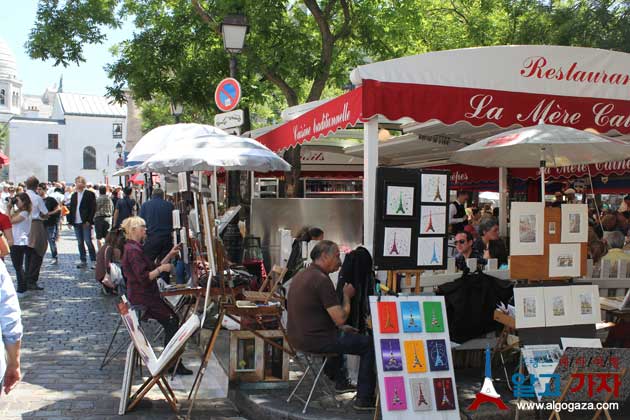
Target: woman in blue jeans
pixel 20 213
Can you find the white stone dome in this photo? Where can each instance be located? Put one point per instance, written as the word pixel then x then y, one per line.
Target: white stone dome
pixel 8 64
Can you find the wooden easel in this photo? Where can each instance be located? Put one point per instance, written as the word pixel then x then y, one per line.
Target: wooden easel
pixel 392 279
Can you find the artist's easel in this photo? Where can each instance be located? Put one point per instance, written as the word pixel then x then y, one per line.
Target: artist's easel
pixel 392 279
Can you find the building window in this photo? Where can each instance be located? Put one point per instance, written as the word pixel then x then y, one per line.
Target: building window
pixel 117 130
pixel 15 99
pixel 53 141
pixel 89 158
pixel 2 95
pixel 53 173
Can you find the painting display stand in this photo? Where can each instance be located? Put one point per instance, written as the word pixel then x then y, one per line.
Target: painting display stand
pixel 414 362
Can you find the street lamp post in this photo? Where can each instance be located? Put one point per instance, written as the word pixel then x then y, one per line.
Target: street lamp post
pixel 120 162
pixel 234 29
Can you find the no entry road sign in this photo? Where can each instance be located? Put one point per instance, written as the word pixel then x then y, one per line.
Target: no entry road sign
pixel 228 94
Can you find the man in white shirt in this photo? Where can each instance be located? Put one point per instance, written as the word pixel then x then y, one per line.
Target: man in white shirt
pixel 38 236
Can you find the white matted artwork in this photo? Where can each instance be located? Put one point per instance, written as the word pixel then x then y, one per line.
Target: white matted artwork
pixel 564 260
pixel 433 187
pixel 399 201
pixel 432 220
pixel 585 303
pixel 430 251
pixel 529 305
pixel 527 228
pixel 574 223
pixel 558 306
pixel 397 242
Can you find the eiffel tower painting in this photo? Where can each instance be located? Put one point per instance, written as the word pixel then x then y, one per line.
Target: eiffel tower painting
pixel 416 360
pixel 394 247
pixel 430 227
pixel 444 393
pixel 421 394
pixel 438 195
pixel 434 258
pixel 421 400
pixel 395 393
pixel 401 207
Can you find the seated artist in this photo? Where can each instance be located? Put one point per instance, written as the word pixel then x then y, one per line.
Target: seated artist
pixel 142 274
pixel 316 321
pixel 465 250
pixel 489 245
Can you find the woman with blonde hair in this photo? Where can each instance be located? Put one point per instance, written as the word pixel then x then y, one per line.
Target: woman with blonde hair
pixel 142 275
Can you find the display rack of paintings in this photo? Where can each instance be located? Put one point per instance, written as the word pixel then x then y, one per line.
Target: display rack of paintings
pixel 554 306
pixel 411 219
pixel 414 362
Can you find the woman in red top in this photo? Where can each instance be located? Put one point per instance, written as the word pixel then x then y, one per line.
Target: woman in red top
pixel 142 274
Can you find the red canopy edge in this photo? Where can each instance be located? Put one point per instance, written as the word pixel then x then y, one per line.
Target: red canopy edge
pixel 341 112
pixel 618 167
pixel 451 105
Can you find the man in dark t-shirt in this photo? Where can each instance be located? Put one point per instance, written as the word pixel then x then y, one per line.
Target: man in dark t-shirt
pixel 124 208
pixel 316 321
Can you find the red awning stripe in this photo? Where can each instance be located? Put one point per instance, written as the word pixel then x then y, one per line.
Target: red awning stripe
pixel 341 112
pixel 451 105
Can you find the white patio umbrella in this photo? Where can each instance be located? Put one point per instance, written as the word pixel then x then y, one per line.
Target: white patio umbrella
pixel 542 146
pixel 206 153
pixel 129 170
pixel 158 138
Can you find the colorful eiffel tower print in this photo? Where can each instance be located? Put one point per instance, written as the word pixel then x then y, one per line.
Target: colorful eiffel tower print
pixel 444 394
pixel 415 357
pixel 433 317
pixel 391 355
pixel 421 399
pixel 401 207
pixel 411 317
pixel 395 393
pixel 387 317
pixel 430 227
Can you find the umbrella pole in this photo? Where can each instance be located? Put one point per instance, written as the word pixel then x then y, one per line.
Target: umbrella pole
pixel 590 179
pixel 542 181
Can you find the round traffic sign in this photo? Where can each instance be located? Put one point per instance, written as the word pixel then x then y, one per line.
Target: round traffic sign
pixel 228 94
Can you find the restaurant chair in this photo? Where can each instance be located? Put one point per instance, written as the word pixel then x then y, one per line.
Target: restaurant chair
pixel 310 360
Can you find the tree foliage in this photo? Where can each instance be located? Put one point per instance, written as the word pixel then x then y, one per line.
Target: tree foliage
pixel 296 50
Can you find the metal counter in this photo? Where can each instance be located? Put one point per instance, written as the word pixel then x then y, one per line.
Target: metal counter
pixel 341 219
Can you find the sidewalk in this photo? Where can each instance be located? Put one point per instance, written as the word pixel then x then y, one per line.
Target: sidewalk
pixel 67 328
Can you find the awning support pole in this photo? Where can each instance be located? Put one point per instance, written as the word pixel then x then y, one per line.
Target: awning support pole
pixel 503 202
pixel 370 162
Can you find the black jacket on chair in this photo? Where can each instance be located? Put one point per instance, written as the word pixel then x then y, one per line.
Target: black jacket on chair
pixel 357 271
pixel 87 208
pixel 470 304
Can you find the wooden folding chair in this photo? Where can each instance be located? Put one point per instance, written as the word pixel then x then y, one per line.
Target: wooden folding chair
pixel 157 367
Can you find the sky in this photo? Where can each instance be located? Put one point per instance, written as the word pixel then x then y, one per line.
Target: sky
pixel 16 23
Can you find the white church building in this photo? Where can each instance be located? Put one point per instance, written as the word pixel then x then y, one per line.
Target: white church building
pixel 58 136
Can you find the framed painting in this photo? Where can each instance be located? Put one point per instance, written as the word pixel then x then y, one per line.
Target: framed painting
pixel 433 220
pixel 527 228
pixel 558 306
pixel 529 305
pixel 564 260
pixel 574 223
pixel 400 200
pixel 585 303
pixel 432 252
pixel 433 188
pixel 397 242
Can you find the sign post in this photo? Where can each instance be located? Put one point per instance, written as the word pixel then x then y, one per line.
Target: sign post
pixel 228 94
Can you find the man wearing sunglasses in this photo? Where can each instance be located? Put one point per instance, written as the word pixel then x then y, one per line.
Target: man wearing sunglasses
pixel 464 246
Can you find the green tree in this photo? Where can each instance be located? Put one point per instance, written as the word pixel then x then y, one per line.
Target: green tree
pixel 297 51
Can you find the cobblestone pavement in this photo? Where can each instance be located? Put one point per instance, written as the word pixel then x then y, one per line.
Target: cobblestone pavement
pixel 67 327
